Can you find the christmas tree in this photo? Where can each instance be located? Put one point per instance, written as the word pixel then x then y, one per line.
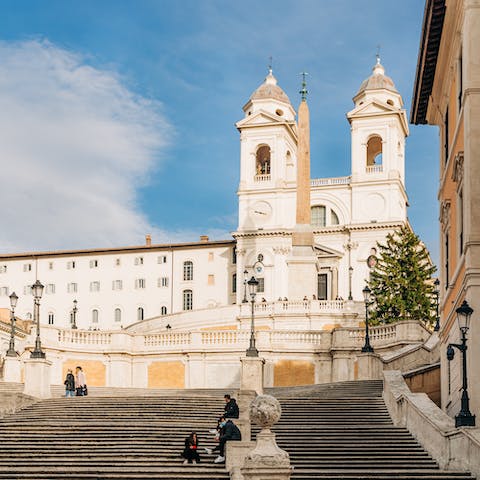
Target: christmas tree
pixel 401 283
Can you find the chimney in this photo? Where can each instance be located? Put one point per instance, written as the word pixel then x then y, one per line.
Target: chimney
pixel 148 240
pixel 204 238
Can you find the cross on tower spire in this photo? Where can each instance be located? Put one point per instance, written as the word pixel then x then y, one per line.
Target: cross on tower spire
pixel 303 92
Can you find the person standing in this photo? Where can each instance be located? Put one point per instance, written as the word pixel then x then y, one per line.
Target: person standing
pixel 80 382
pixel 69 384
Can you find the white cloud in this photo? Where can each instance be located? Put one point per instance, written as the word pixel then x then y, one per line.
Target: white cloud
pixel 75 145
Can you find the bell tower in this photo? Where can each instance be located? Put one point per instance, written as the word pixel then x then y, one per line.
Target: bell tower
pixel 379 127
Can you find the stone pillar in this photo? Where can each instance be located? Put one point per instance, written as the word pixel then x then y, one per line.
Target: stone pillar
pixel 37 377
pixel 12 370
pixel 266 461
pixel 369 366
pixel 252 374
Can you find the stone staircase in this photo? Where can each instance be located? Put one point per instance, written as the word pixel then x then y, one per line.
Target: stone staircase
pixel 109 438
pixel 343 431
pixel 332 432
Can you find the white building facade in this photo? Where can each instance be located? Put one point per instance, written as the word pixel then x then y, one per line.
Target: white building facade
pixel 118 287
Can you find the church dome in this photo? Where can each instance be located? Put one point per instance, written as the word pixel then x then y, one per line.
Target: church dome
pixel 377 81
pixel 270 89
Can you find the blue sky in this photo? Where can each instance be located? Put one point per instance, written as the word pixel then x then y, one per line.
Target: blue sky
pixel 127 109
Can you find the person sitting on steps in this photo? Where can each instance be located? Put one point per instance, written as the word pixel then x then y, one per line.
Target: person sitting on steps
pixel 228 431
pixel 230 409
pixel 190 452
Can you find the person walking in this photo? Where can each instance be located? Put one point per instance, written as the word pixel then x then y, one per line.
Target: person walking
pixel 80 382
pixel 69 384
pixel 190 452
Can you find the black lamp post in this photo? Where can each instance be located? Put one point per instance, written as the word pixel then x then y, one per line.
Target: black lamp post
pixel 464 312
pixel 366 295
pixel 350 274
pixel 74 315
pixel 37 290
pixel 11 348
pixel 245 273
pixel 252 287
pixel 436 292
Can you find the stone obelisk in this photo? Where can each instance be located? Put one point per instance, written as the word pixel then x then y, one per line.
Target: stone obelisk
pixel 302 263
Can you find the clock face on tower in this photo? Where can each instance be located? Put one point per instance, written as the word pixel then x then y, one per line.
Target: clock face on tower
pixel 260 212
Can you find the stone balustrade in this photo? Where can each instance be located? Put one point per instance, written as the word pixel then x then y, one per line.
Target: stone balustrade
pixel 320 182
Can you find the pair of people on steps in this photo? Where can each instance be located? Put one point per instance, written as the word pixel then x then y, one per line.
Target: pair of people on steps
pixel 75 385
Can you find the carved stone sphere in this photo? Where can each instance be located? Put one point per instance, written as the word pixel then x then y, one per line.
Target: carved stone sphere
pixel 265 411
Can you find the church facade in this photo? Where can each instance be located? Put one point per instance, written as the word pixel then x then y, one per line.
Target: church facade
pixel 303 239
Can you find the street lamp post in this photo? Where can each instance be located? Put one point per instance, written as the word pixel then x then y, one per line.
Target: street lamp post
pixel 245 273
pixel 464 312
pixel 74 315
pixel 11 348
pixel 252 287
pixel 37 290
pixel 366 295
pixel 436 292
pixel 350 274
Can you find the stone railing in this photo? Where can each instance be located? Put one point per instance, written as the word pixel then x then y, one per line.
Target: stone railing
pixel 374 169
pixel 452 448
pixel 320 182
pixel 299 306
pixel 262 177
pixel 228 340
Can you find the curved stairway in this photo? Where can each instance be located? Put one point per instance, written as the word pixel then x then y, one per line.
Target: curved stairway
pixel 343 431
pixel 332 432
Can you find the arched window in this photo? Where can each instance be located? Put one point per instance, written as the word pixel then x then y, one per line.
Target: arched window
pixel 95 316
pixel 51 318
pixel 118 315
pixel 187 299
pixel 334 218
pixel 140 314
pixel 188 270
pixel 262 164
pixel 163 310
pixel 319 216
pixel 374 151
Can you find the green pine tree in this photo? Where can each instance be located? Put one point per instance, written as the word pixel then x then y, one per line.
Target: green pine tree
pixel 401 280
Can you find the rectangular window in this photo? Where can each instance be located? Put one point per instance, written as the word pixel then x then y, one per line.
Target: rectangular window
pixel 460 80
pixel 210 256
pixel 446 145
pixel 93 263
pixel 162 259
pixel 117 285
pixel 234 283
pixel 261 285
pixel 138 260
pixel 187 271
pixel 94 286
pixel 51 318
pixel 50 288
pixel 460 221
pixel 4 291
pixel 3 269
pixel 140 283
pixel 211 280
pixel 234 256
pixel 71 265
pixel 50 265
pixel 72 288
pixel 27 267
pixel 447 253
pixel 187 300
pixel 162 282
pixel 322 286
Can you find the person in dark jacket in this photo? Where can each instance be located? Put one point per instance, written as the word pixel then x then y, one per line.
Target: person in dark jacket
pixel 228 431
pixel 231 407
pixel 69 384
pixel 190 452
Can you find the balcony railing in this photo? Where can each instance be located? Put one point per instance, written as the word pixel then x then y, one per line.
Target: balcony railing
pixel 374 169
pixel 262 177
pixel 320 182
